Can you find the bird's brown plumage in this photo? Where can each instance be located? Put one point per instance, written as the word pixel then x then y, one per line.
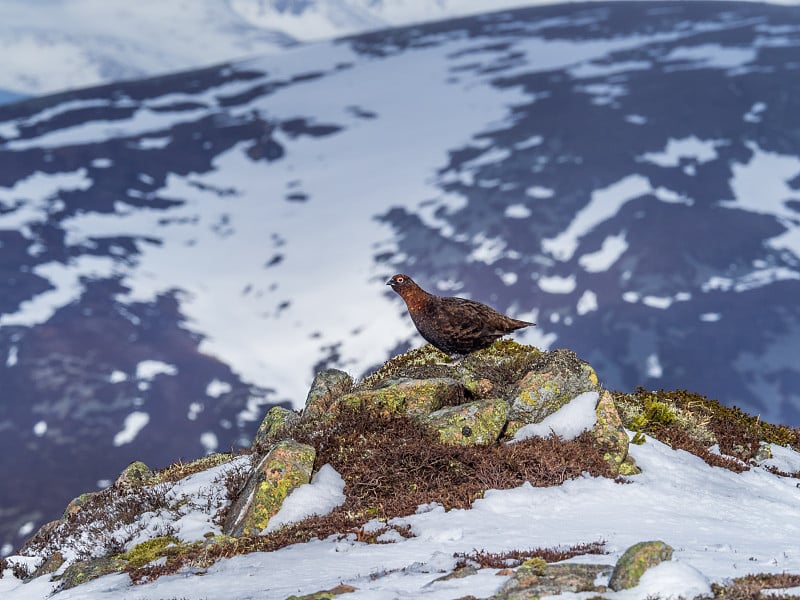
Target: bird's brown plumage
pixel 456 326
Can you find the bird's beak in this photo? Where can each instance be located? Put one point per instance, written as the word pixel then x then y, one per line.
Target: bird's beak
pixel 390 282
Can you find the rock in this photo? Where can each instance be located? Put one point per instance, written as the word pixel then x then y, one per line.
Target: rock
pixel 287 466
pixel 611 437
pixel 277 419
pixel 476 423
pixel 414 397
pixel 555 379
pixel 134 476
pixel 342 588
pixel 635 561
pixel 326 387
pixel 51 565
pixel 75 506
pixel 536 578
pixel 86 570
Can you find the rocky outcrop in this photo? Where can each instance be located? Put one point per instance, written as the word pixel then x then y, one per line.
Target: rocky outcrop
pixel 287 466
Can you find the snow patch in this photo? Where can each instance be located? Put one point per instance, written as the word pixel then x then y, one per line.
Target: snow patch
pixel 568 422
pixel 321 496
pixel 134 423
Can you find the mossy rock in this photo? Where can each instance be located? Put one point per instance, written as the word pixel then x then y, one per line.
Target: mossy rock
pixel 536 578
pixel 635 561
pixel 151 550
pixel 485 373
pixel 326 387
pixel 414 397
pixel 86 570
pixel 611 437
pixel 135 475
pixel 76 504
pixel 287 466
pixel 556 378
pixel 477 423
pixel 326 594
pixel 51 565
pixel 278 418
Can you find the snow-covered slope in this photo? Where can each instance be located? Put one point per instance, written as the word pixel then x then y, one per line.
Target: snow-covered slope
pixel 182 252
pixel 55 45
pixel 722 525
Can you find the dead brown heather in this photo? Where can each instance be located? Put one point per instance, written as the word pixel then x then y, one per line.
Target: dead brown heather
pixel 750 587
pixel 514 558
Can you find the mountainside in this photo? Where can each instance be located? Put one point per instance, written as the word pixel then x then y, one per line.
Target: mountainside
pixel 182 252
pixel 61 44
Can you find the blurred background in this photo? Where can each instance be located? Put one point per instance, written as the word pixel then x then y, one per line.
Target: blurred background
pixel 201 201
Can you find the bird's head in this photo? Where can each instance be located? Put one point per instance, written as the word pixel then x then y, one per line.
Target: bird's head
pixel 401 283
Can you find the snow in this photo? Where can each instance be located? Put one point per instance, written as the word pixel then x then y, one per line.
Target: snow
pixel 613 247
pixel 720 524
pixel 604 204
pixel 587 302
pixel 556 284
pixel 148 369
pixel 134 423
pixel 690 147
pixel 321 496
pixel 568 422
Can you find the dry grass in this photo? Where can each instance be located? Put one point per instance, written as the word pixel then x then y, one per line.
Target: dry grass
pixel 751 586
pixel 514 558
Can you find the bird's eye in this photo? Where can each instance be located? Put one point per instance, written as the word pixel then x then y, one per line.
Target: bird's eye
pixel 399 279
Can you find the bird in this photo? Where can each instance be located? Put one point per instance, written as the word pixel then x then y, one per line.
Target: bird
pixel 456 326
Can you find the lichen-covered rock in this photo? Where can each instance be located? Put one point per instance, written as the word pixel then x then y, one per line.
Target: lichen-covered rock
pixel 86 570
pixel 635 561
pixel 134 476
pixel 277 419
pixel 326 387
pixel 326 594
pixel 611 437
pixel 414 397
pixel 536 578
pixel 78 503
pixel 287 466
pixel 555 379
pixel 51 565
pixel 477 423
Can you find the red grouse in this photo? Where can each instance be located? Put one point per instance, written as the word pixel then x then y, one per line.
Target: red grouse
pixel 456 326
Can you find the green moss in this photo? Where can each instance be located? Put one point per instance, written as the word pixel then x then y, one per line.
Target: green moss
pixel 150 550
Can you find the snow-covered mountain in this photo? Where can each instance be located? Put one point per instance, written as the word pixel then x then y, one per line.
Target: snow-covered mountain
pixel 180 253
pixel 59 44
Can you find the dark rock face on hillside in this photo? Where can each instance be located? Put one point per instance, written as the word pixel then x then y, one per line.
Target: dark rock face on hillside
pixel 174 250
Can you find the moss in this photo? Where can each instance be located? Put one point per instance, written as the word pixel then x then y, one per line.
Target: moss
pixel 149 550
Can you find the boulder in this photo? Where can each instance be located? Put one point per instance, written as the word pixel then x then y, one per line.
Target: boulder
pixel 477 423
pixel 635 561
pixel 415 397
pixel 287 466
pixel 277 418
pixel 611 437
pixel 555 379
pixel 326 387
pixel 536 578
